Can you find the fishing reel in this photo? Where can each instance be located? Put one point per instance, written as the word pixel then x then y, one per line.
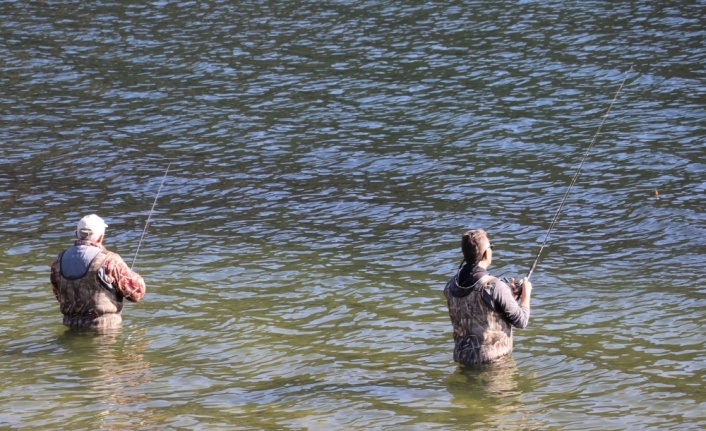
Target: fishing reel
pixel 515 286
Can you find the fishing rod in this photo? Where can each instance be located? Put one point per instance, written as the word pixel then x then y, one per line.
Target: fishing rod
pixel 576 175
pixel 149 216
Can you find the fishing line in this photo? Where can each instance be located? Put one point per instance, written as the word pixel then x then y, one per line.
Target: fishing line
pixel 149 216
pixel 576 175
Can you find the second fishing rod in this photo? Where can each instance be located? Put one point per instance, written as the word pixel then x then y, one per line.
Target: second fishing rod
pixel 571 184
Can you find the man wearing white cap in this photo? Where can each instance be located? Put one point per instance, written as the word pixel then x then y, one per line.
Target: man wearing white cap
pixel 91 282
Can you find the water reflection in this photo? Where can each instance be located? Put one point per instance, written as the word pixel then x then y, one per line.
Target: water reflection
pixel 109 368
pixel 498 380
pixel 492 394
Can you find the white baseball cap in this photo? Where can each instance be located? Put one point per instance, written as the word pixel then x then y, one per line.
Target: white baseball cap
pixel 91 226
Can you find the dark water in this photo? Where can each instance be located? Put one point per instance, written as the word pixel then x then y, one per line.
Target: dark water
pixel 325 159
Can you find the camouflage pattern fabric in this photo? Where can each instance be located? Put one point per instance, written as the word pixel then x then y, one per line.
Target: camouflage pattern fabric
pixel 481 335
pixel 85 302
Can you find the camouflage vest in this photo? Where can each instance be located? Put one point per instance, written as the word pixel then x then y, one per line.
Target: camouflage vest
pixel 481 335
pixel 87 301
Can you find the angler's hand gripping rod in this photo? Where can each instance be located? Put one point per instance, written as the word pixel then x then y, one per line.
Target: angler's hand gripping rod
pixel 576 175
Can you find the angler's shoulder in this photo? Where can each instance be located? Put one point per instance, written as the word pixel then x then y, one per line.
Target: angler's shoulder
pixel 113 261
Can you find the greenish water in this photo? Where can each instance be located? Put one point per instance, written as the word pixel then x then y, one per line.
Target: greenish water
pixel 325 159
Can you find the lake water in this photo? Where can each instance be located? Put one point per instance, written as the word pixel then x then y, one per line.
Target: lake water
pixel 325 158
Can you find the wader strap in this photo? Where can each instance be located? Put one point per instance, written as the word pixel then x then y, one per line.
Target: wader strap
pixel 486 290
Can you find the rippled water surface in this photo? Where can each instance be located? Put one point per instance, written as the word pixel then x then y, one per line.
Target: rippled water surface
pixel 325 158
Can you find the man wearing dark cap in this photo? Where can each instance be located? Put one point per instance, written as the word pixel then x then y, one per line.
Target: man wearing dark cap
pixel 483 308
pixel 91 282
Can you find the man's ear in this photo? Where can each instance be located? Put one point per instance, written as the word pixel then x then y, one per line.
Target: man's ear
pixel 485 254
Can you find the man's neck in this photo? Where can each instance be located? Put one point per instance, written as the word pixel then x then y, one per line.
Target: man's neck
pixel 84 241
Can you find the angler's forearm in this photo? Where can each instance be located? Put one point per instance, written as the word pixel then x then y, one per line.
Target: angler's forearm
pixel 127 282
